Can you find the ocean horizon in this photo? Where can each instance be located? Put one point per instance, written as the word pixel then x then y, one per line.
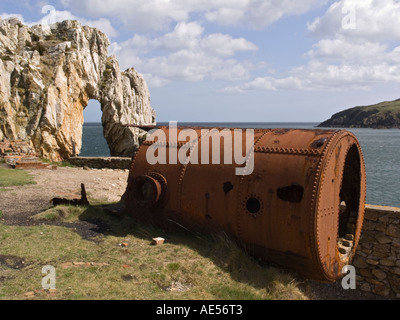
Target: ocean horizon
pixel 380 150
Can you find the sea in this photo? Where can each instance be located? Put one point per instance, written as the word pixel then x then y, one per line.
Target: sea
pixel 381 149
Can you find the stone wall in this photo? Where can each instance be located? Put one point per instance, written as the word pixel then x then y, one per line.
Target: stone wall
pixel 377 259
pixel 101 163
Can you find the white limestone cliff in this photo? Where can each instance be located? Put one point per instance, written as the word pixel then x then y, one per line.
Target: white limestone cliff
pixel 47 76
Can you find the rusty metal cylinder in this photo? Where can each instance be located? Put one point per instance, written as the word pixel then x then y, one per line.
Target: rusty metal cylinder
pixel 300 206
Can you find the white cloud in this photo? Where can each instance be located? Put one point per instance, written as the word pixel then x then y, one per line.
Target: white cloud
pixel 184 36
pixel 270 84
pixel 5 16
pixel 102 24
pixel 186 53
pixel 257 13
pixel 322 75
pixel 342 49
pixel 225 45
pixel 154 80
pixel 374 20
pixel 157 14
pixel 359 55
pixel 345 76
pixel 51 15
pixel 135 15
pixel 354 50
pixel 191 36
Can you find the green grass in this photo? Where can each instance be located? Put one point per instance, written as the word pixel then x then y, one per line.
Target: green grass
pixel 387 106
pixel 58 164
pixel 187 266
pixel 65 213
pixel 14 177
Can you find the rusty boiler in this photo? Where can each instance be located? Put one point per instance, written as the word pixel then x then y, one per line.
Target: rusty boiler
pixel 300 205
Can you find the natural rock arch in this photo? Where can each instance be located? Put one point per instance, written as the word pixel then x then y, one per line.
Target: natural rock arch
pixel 49 73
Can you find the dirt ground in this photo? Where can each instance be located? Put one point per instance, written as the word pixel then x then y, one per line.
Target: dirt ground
pixel 19 203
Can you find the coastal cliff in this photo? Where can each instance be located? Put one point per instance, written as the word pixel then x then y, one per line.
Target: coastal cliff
pixel 48 74
pixel 384 115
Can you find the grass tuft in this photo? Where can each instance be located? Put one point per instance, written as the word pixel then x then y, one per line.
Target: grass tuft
pixel 64 213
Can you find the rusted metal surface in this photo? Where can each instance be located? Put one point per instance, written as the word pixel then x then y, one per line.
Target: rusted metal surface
pixel 302 207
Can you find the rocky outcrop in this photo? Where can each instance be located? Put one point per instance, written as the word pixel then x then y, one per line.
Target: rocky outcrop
pixel 47 76
pixel 385 115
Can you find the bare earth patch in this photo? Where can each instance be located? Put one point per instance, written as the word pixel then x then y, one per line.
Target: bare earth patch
pixel 19 203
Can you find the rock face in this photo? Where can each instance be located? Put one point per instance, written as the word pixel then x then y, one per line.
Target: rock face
pixel 47 76
pixel 385 115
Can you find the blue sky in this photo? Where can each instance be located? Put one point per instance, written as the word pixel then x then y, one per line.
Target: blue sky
pixel 244 60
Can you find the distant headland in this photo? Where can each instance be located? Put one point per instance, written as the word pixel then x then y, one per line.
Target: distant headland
pixel 384 115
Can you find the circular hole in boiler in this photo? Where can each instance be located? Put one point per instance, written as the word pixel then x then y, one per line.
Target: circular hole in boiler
pixel 146 190
pixel 253 205
pixel 350 193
